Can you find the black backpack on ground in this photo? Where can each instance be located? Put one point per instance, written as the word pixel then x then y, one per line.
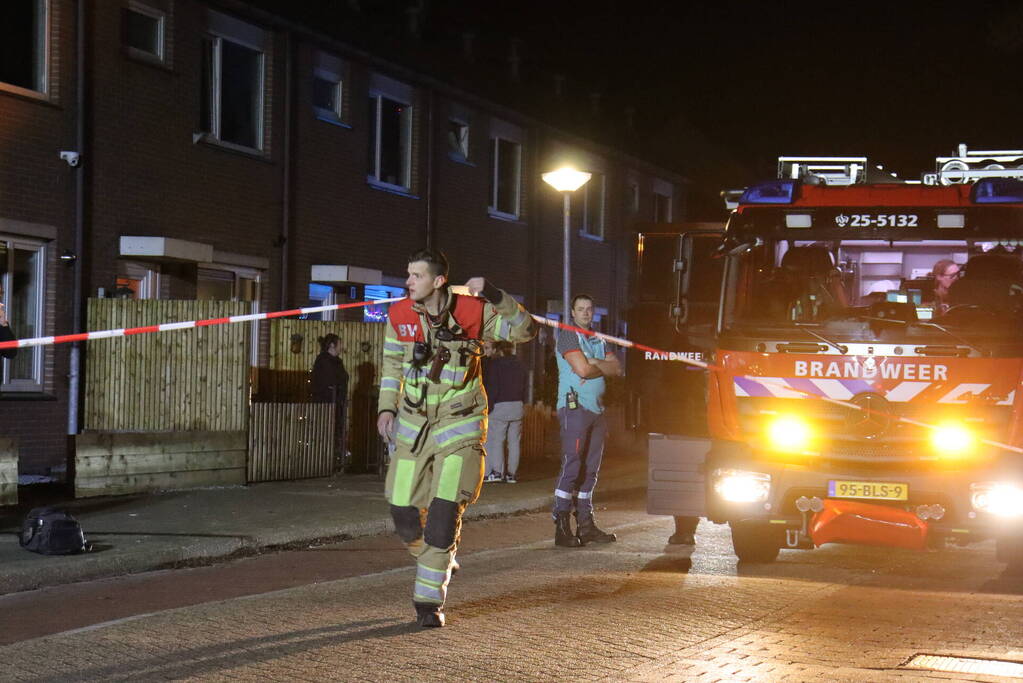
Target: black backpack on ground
pixel 52 531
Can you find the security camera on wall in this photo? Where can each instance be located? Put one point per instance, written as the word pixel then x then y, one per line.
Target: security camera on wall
pixel 72 158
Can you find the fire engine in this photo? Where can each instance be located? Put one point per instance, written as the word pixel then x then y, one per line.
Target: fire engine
pixel 852 398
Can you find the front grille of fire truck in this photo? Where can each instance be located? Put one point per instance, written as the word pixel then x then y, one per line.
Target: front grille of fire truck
pixel 844 438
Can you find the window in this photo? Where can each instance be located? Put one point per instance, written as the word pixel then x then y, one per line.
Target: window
pixel 23 36
pixel 231 283
pixel 458 140
pixel 390 141
pixel 662 208
pixel 505 177
pixel 593 206
pixel 633 194
pixel 22 268
pixel 320 295
pixel 137 280
pixel 224 283
pixel 232 83
pixel 328 88
pixel 144 31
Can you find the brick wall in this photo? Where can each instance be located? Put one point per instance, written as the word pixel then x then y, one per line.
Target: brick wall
pixel 149 176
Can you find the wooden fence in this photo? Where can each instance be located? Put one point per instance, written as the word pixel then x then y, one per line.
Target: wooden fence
pixel 538 421
pixel 188 380
pixel 8 472
pixel 290 441
pixel 115 464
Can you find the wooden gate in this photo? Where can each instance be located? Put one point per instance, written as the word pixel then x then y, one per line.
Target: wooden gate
pixel 290 437
pixel 290 441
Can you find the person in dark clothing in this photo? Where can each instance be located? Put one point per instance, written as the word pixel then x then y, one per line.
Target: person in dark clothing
pixel 5 329
pixel 330 385
pixel 504 379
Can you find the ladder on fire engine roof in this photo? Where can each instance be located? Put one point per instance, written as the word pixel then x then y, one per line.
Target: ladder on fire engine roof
pixel 966 166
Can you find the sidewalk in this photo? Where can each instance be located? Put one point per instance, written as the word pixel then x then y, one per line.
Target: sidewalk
pixel 141 533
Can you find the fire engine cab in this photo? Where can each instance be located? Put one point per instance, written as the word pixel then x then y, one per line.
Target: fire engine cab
pixel 852 396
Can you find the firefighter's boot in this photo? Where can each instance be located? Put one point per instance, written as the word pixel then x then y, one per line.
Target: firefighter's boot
pixel 429 615
pixel 563 535
pixel 589 532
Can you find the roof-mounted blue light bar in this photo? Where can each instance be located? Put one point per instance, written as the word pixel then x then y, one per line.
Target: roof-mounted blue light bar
pixel 998 191
pixel 773 192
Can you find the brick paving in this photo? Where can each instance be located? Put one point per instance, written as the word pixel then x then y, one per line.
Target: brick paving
pixel 539 613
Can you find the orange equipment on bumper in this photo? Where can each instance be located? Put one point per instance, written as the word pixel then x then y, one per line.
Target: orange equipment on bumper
pixel 848 521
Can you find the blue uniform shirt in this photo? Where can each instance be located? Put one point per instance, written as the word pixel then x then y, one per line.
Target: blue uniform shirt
pixel 591 391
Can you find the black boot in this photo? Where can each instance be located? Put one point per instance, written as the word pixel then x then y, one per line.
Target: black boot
pixel 429 615
pixel 589 532
pixel 563 535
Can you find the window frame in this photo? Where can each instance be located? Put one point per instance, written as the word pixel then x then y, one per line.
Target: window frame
pixel 634 196
pixel 376 96
pixel 663 189
pixel 586 230
pixel 239 273
pixel 36 384
pixel 160 56
pixel 495 166
pixel 334 70
pixel 464 148
pixel 146 273
pixel 222 27
pixel 658 198
pixel 42 68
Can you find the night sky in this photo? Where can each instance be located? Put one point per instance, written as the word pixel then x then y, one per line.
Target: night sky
pixel 900 82
pixel 721 89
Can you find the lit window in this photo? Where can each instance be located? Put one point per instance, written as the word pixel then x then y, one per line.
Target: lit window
pixel 458 140
pixel 23 33
pixel 136 280
pixel 232 83
pixel 320 295
pixel 390 137
pixel 505 177
pixel 144 31
pixel 22 268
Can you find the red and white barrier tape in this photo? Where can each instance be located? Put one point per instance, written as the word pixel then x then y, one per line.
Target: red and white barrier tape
pixel 169 327
pixel 625 343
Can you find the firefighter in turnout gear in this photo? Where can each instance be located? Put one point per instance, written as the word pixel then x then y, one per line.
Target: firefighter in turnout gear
pixel 433 410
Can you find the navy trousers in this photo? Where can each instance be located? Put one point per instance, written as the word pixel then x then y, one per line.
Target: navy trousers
pixel 582 447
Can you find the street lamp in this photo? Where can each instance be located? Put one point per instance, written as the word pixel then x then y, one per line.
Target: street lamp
pixel 566 180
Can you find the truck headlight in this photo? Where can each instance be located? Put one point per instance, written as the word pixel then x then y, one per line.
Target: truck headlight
pixel 789 433
pixel 740 486
pixel 953 439
pixel 1001 498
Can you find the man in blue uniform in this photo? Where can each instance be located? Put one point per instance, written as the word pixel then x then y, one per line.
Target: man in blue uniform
pixel 583 363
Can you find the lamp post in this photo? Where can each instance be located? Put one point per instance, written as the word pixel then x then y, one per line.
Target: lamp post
pixel 566 180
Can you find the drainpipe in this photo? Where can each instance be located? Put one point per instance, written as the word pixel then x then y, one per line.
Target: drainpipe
pixel 285 237
pixel 77 298
pixel 536 358
pixel 429 168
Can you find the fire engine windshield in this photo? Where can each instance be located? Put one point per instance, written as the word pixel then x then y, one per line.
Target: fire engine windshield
pixel 874 290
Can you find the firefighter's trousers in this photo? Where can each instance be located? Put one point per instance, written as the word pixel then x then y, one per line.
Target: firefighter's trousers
pixel 436 484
